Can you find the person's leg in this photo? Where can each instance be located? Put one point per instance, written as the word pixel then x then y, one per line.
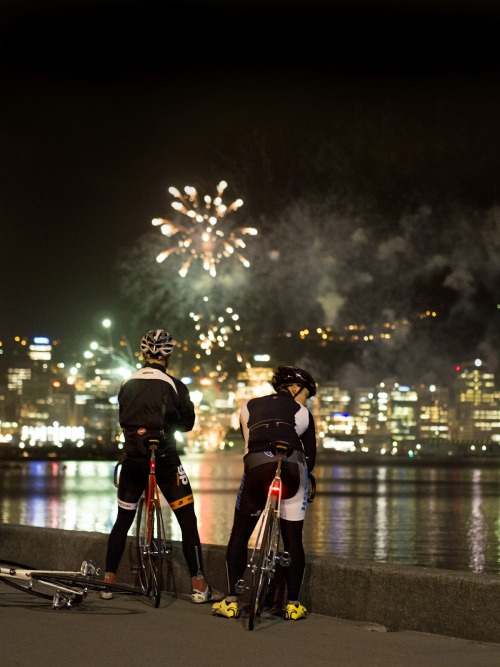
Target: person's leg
pixel 130 487
pixel 237 550
pixel 251 498
pixel 191 545
pixel 293 510
pixel 291 532
pixel 175 486
pixel 118 538
pixel 236 563
pixel 132 481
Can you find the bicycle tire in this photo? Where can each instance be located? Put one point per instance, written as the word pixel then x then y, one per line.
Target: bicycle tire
pixel 156 553
pixel 141 547
pixel 39 588
pixel 261 576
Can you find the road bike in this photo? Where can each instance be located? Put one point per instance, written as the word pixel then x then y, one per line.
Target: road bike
pixel 151 545
pixel 64 588
pixel 266 555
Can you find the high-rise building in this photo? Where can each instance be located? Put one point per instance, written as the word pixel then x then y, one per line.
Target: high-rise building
pixel 478 402
pixel 403 414
pixel 435 413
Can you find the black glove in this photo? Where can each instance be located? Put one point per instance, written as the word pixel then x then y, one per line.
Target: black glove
pixel 311 493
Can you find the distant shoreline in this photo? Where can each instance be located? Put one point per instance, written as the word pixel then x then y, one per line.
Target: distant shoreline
pixel 323 457
pixel 417 461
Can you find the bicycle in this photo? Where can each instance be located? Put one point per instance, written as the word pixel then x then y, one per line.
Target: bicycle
pixel 151 545
pixel 265 554
pixel 64 588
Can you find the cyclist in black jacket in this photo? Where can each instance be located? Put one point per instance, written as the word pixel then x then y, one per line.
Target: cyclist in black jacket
pixel 154 404
pixel 263 420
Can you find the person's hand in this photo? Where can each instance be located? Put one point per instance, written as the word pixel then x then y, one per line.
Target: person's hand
pixel 311 491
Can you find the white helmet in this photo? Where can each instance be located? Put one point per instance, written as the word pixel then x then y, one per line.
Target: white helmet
pixel 157 344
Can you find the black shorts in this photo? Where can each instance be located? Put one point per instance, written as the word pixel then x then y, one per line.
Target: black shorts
pixel 259 471
pixel 170 475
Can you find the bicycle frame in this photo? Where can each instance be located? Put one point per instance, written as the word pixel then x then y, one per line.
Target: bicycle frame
pixel 64 588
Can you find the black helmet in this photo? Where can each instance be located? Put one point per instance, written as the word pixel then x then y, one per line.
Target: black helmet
pixel 287 375
pixel 157 344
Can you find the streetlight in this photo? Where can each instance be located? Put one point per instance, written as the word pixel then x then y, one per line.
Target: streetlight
pixel 107 325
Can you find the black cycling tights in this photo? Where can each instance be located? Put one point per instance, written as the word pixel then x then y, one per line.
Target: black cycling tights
pixel 236 555
pixel 191 547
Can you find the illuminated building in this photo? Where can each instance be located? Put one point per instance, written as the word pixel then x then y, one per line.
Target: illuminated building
pixel 478 402
pixel 403 414
pixel 435 413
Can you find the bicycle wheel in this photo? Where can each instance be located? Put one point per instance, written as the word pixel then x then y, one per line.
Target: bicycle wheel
pixel 142 546
pixel 149 545
pixel 262 573
pixel 156 552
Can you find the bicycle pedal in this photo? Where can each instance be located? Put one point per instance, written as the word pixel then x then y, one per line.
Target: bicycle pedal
pixel 59 601
pixel 284 559
pixel 240 587
pixel 88 568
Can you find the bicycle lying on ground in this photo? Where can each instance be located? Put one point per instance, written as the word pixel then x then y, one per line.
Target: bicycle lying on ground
pixel 151 545
pixel 64 588
pixel 265 554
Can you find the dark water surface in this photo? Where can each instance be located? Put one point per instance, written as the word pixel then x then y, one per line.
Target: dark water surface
pixel 445 517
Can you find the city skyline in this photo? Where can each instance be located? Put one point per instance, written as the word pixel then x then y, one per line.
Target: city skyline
pixel 60 407
pixel 374 178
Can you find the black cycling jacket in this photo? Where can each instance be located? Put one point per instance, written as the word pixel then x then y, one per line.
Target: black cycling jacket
pixel 152 399
pixel 278 417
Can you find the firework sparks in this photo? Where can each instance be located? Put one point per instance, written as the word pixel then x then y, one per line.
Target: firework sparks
pixel 200 234
pixel 216 330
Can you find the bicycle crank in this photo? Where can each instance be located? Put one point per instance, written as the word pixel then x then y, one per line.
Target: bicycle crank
pixel 240 587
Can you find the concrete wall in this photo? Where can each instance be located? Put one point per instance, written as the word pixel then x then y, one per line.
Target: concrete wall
pixel 399 597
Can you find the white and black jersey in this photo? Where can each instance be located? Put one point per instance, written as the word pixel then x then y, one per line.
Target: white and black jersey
pixel 152 402
pixel 278 416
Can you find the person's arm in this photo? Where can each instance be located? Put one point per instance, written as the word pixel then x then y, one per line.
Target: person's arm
pixel 309 442
pixel 184 417
pixel 244 424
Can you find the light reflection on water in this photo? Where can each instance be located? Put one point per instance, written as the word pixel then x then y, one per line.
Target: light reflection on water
pixel 434 517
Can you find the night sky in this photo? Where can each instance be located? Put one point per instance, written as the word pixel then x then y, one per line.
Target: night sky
pixel 392 114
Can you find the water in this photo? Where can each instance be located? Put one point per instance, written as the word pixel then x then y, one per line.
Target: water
pixel 444 517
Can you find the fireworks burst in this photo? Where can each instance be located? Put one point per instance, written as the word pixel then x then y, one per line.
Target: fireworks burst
pixel 217 330
pixel 200 234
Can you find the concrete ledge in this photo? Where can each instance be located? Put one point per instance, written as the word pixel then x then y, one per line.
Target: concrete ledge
pixel 455 604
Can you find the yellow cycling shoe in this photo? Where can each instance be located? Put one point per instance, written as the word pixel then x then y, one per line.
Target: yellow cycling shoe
pixel 294 612
pixel 226 609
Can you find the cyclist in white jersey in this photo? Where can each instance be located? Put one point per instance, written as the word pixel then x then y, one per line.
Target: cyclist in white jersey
pixel 264 420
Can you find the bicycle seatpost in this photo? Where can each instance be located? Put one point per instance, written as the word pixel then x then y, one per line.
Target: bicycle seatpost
pixel 153 446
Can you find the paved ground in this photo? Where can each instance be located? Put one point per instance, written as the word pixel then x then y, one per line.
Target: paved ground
pixel 130 631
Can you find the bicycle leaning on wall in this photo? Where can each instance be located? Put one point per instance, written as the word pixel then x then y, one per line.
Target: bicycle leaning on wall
pixel 151 545
pixel 266 555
